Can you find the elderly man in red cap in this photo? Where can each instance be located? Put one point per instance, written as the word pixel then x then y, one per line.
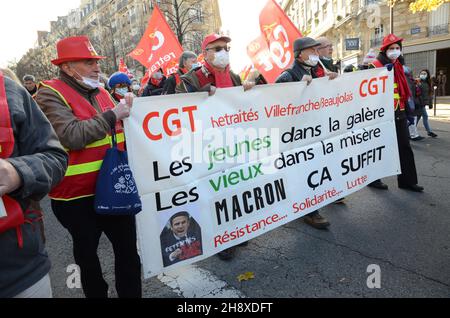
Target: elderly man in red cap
pixel 391 55
pixel 83 115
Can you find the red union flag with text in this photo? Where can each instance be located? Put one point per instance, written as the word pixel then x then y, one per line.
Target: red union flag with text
pixel 124 69
pixel 159 47
pixel 271 52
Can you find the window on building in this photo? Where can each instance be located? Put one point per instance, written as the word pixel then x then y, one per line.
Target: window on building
pixel 379 31
pixel 369 2
pixel 439 20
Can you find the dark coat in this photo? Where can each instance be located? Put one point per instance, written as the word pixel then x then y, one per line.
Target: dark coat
pixel 152 90
pixel 41 163
pixel 425 98
pixel 171 83
pixel 295 73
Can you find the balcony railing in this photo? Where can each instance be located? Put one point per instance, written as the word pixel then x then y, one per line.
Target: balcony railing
pixel 438 29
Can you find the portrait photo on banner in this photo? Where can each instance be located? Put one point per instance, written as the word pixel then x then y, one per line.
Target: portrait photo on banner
pixel 181 235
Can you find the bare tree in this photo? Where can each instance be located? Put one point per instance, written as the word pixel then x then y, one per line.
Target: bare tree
pixel 186 18
pixel 37 62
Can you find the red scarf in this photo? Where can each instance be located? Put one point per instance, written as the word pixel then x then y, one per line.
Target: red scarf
pixel 221 79
pixel 400 79
pixel 155 81
pixel 320 72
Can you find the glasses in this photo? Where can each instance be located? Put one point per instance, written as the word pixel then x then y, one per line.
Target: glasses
pixel 219 48
pixel 326 46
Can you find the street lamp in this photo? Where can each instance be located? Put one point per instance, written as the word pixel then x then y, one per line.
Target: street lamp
pixel 391 16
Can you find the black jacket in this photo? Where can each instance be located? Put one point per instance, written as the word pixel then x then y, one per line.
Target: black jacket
pixel 171 83
pixel 295 73
pixel 152 90
pixel 425 97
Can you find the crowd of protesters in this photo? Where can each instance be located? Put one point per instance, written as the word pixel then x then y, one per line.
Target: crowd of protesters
pixel 74 112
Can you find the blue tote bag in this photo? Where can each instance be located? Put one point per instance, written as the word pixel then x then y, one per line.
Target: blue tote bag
pixel 116 191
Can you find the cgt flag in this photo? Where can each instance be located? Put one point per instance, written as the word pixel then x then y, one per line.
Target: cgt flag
pixel 124 69
pixel 259 53
pixel 159 47
pixel 271 52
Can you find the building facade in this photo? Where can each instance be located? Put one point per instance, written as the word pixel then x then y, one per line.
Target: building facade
pixel 355 26
pixel 115 27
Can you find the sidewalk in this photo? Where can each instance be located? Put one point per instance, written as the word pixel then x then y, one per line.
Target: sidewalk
pixel 442 109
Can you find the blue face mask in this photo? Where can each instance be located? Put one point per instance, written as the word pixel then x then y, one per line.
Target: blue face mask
pixel 196 65
pixel 423 76
pixel 122 91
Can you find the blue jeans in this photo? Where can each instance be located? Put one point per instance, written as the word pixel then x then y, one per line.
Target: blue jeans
pixel 425 119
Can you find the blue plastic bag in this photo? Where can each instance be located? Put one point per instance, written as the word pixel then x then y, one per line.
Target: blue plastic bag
pixel 116 191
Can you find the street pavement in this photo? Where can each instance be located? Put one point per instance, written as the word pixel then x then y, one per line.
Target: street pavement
pixel 406 234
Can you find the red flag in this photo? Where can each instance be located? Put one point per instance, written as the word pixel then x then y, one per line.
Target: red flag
pixel 124 69
pixel 245 72
pixel 201 58
pixel 145 79
pixel 159 47
pixel 259 53
pixel 271 52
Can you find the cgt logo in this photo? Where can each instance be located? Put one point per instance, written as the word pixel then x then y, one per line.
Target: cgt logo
pixel 160 37
pixel 372 86
pixel 172 122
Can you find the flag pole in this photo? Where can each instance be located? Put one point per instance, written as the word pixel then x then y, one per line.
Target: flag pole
pixel 327 72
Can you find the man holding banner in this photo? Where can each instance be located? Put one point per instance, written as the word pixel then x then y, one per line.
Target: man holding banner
pixel 325 51
pixel 83 115
pixel 188 61
pixel 214 73
pixel 306 58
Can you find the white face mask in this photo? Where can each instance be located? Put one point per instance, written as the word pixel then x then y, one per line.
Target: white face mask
pixel 136 87
pixel 393 54
pixel 221 59
pixel 313 60
pixel 423 76
pixel 89 81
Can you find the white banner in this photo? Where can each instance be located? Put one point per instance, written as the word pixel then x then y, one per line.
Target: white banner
pixel 214 172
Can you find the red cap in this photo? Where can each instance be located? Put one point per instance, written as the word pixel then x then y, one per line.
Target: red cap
pixel 74 49
pixel 389 40
pixel 213 38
